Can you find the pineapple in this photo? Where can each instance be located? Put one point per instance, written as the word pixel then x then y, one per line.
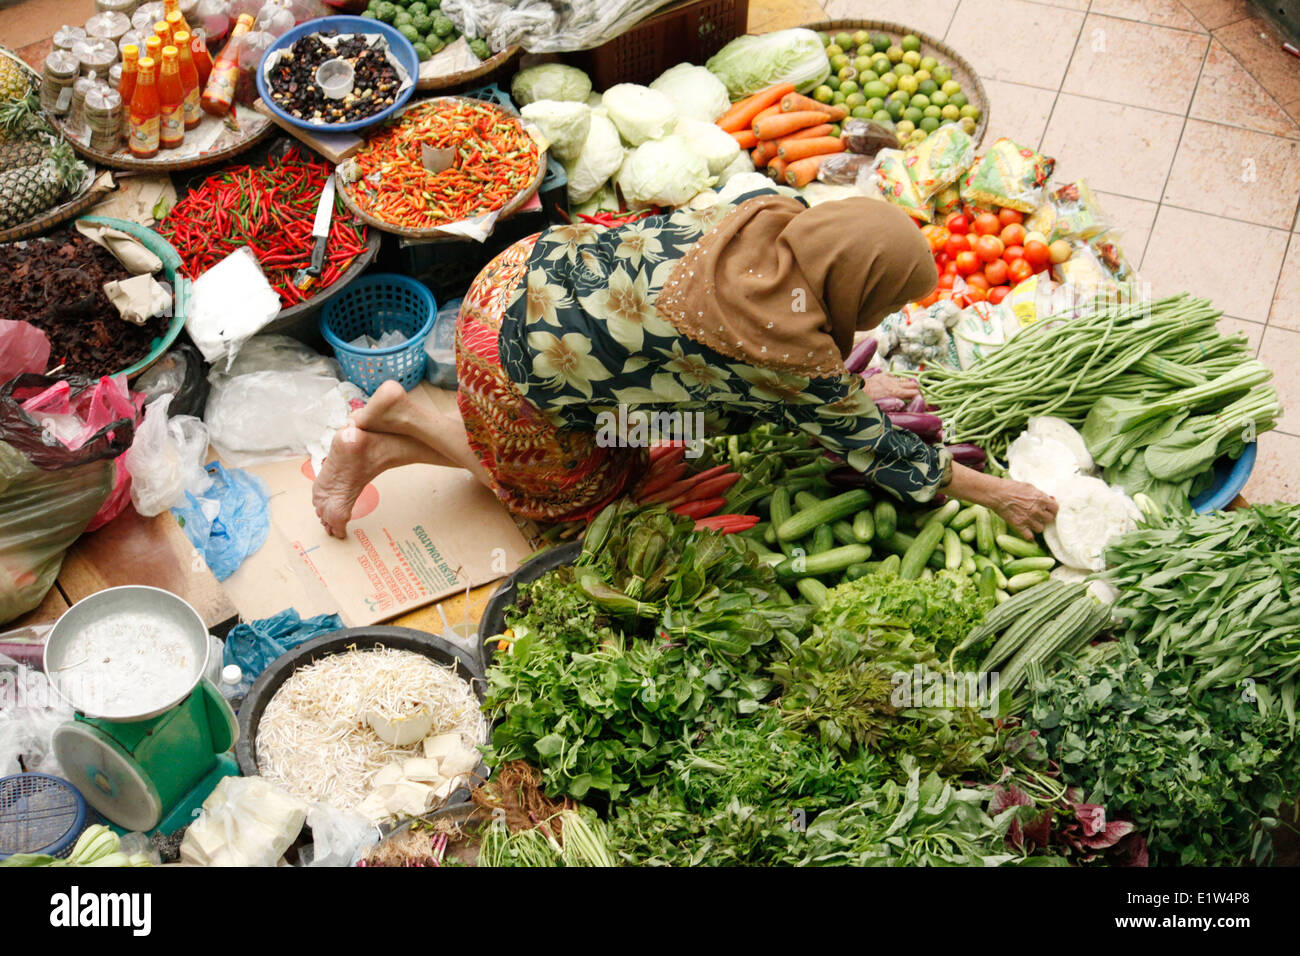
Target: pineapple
pixel 14 83
pixel 27 191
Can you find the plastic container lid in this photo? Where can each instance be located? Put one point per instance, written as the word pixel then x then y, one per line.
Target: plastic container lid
pixel 231 674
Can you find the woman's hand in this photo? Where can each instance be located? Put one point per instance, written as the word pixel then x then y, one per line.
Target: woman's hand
pixel 1023 507
pixel 885 385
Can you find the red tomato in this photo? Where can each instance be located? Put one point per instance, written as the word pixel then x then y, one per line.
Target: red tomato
pixel 1019 270
pixel 996 272
pixel 986 224
pixel 941 259
pixel 976 280
pixel 967 262
pixel 950 267
pixel 1036 254
pixel 973 295
pixel 930 299
pixel 999 293
pixel 958 224
pixel 957 242
pixel 946 280
pixel 988 248
pixel 1013 252
pixel 1013 234
pixel 1007 216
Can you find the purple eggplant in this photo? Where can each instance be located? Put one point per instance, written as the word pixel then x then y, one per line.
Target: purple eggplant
pixel 972 456
pixel 862 354
pixel 917 404
pixel 926 426
pixel 891 404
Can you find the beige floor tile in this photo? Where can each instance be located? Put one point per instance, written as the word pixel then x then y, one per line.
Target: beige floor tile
pixel 35 20
pixel 1036 52
pixel 1258 45
pixel 1285 313
pixel 1280 351
pixel 1236 173
pixel 1253 331
pixel 780 14
pixel 931 17
pixel 1233 264
pixel 1017 111
pixel 1118 149
pixel 1277 470
pixel 1080 5
pixel 1136 63
pixel 1218 13
pixel 1132 217
pixel 1227 93
pixel 1164 13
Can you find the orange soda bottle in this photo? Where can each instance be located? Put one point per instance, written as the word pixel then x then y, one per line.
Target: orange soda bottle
pixel 189 79
pixel 171 101
pixel 144 112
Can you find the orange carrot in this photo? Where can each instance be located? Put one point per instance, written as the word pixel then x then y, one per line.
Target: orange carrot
pixel 745 138
pixel 802 171
pixel 776 169
pixel 770 111
pixel 823 129
pixel 742 113
pixel 783 124
pixel 803 148
pixel 765 150
pixel 793 103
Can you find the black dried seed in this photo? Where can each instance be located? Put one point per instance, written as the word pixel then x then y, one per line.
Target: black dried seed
pixel 293 82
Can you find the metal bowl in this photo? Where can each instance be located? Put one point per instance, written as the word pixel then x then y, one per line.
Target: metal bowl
pixel 134 605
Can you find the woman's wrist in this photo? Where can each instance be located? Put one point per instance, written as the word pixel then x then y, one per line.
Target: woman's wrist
pixel 967 484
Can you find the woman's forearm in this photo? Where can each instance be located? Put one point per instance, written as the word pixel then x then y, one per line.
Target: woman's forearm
pixel 1026 509
pixel 972 486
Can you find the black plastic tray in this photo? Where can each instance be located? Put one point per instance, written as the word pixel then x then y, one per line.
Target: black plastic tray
pixel 493 621
pixel 358 638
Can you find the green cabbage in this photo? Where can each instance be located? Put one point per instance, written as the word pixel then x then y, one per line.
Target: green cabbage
pixel 695 92
pixel 663 172
pixel 751 63
pixel 564 124
pixel 600 158
pixel 639 112
pixel 550 81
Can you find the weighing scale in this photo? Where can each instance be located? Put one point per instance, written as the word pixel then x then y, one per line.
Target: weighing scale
pixel 150 771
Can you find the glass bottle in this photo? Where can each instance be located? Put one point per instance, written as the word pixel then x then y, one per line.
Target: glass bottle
pixel 189 80
pixel 175 19
pixel 219 93
pixel 144 112
pixel 202 58
pixel 171 101
pixel 130 58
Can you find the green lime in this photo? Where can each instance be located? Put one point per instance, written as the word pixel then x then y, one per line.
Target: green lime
pixel 824 37
pixel 972 111
pixel 843 40
pixel 868 75
pixel 834 50
pixel 848 86
pixel 838 98
pixel 862 64
pixel 950 112
pixel 875 88
pixel 833 82
pixel 862 112
pixel 839 61
pixel 921 75
pixel 890 80
pixel 912 57
pixel 847 73
pixel 823 94
pixel 918 136
pixel 880 41
pixel 920 101
pixel 958 99
pixel 866 50
pixel 895 54
pixel 861 37
pixel 932 111
pixel 854 100
pixel 882 116
pixel 911 42
pixel 908 84
pixel 875 103
pixel 929 63
pixel 950 87
pixel 895 109
pixel 968 125
pixel 905 127
pixel 898 96
pixel 903 69
pixel 928 87
pixel 942 73
pixel 913 113
pixel 938 98
pixel 881 64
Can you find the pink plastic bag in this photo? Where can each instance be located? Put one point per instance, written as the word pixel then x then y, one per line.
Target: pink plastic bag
pixel 23 348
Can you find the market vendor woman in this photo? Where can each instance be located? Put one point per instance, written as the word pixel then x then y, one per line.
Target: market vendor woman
pixel 742 310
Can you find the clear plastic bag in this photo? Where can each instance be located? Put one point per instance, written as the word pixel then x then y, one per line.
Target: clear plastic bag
pixel 229 304
pixel 440 346
pixel 166 459
pixel 229 521
pixel 542 26
pixel 29 713
pixel 246 821
pixel 338 838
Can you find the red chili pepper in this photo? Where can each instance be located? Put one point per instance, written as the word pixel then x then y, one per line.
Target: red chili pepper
pixel 700 509
pixel 727 524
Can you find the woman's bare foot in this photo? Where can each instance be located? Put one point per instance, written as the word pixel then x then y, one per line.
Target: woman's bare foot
pixel 347 470
pixel 388 410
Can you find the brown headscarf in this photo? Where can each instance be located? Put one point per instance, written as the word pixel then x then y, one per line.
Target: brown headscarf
pixel 779 285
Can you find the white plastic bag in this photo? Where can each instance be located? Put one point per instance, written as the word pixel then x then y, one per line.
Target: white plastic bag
pixel 278 400
pixel 246 821
pixel 166 459
pixel 229 304
pixel 338 838
pixel 30 710
pixel 543 26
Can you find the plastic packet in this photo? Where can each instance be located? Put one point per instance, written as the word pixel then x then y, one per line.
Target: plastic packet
pixel 338 838
pixel 179 374
pixel 1084 272
pixel 982 329
pixel 1008 175
pixel 246 821
pixel 867 137
pixel 440 347
pixel 946 202
pixel 30 710
pixel 229 304
pixel 255 645
pixel 166 459
pixel 1071 212
pixel 896 184
pixel 1107 249
pixel 24 349
pixel 842 169
pixel 939 160
pixel 229 521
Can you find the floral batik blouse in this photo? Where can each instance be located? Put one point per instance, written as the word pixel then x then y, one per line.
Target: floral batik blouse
pixel 581 337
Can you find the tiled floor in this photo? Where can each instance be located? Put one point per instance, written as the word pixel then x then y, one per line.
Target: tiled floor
pixel 1183 114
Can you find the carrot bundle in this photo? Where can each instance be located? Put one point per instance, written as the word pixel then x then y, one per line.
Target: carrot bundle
pixel 787 134
pixel 742 113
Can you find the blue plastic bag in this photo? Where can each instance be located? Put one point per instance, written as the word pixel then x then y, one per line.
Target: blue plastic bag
pixel 255 645
pixel 231 520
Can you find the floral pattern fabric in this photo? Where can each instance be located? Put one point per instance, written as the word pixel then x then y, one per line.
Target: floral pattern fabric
pixel 581 336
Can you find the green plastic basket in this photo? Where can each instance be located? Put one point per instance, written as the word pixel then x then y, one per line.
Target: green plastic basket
pixel 171 261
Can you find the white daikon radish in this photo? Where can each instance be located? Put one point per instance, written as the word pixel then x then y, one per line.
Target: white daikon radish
pixel 1058 429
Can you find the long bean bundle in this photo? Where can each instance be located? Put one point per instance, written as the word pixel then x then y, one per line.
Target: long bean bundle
pixel 1218 590
pixel 1141 351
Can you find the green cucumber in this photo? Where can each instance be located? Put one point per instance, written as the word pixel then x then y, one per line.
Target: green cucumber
pixel 886 520
pixel 985 543
pixel 861 569
pixel 843 532
pixel 918 553
pixel 890 565
pixel 813 591
pixel 951 550
pixel 864 527
pixel 1018 582
pixel 824 512
pixel 967 533
pixel 942 514
pixel 988 583
pixel 827 562
pixel 1020 565
pixel 1018 547
pixel 823 539
pixel 965 518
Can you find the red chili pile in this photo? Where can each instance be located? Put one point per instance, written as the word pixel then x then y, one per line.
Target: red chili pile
pixel 495 161
pixel 270 209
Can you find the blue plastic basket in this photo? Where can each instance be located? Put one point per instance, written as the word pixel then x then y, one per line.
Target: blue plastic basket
pixel 39 814
pixel 372 306
pixel 1230 477
pixel 400 46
